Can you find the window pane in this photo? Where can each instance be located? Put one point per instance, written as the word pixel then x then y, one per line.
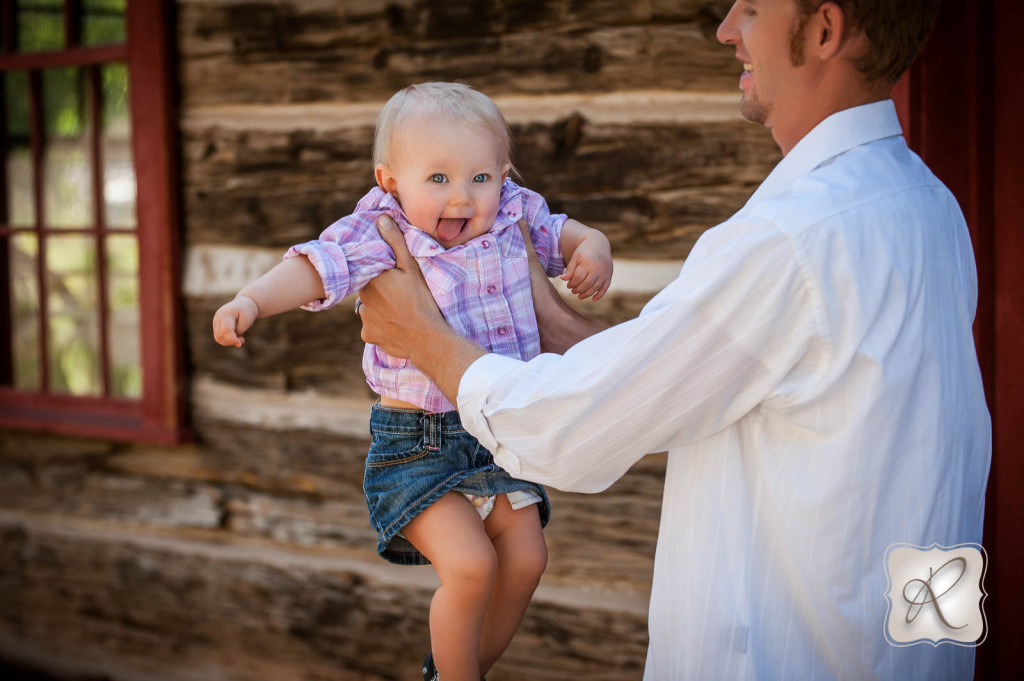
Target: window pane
pixel 102 22
pixel 40 25
pixel 25 342
pixel 67 189
pixel 21 210
pixel 123 292
pixel 118 169
pixel 74 317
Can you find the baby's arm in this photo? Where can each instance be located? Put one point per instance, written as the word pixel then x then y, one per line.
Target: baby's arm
pixel 291 283
pixel 589 260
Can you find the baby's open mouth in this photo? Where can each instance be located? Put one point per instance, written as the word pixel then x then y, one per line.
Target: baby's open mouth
pixel 449 229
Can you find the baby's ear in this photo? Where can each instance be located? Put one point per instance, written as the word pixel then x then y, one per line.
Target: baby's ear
pixel 386 178
pixel 504 173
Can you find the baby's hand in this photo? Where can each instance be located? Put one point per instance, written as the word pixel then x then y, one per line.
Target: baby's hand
pixel 589 272
pixel 233 319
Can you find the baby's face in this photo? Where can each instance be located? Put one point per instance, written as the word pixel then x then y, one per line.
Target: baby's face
pixel 447 176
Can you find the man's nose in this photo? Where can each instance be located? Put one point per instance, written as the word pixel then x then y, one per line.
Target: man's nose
pixel 726 32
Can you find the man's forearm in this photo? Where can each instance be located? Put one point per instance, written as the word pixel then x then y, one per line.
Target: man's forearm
pixel 561 327
pixel 444 356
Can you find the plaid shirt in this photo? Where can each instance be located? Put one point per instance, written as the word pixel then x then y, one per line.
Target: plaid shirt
pixel 482 287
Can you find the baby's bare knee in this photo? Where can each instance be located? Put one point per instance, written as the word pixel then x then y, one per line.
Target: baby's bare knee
pixel 469 569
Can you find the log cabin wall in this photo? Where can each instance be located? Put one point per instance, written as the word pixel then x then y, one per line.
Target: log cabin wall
pixel 247 554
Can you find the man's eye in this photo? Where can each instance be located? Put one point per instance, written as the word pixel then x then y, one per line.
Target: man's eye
pixel 438 178
pixel 482 177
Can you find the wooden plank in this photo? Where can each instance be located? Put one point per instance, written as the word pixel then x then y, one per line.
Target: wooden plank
pixel 303 488
pixel 312 351
pixel 652 188
pixel 272 51
pixel 142 603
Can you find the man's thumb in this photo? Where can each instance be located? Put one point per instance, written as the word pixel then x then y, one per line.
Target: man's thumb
pixel 394 237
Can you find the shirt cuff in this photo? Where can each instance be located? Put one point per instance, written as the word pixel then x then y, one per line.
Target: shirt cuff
pixel 474 393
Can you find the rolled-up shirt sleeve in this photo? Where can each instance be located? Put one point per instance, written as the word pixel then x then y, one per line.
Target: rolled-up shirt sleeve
pixel 703 353
pixel 346 256
pixel 545 232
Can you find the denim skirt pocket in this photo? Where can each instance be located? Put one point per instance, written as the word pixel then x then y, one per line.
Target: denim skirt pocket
pixel 394 449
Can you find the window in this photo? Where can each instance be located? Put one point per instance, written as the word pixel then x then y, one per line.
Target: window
pixel 90 332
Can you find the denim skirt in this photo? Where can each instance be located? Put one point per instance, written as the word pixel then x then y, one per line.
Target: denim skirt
pixel 415 458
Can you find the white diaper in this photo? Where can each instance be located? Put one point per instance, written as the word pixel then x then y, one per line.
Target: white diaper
pixel 517 500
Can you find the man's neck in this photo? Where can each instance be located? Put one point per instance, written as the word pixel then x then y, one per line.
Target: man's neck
pixel 828 103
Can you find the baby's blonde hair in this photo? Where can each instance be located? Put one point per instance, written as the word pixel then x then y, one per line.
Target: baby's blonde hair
pixel 454 101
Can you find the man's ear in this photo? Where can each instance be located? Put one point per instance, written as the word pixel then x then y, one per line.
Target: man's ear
pixel 829 32
pixel 386 179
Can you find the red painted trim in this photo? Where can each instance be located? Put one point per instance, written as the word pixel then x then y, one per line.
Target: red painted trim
pixel 72 23
pixel 7 230
pixel 6 309
pixel 965 123
pixel 154 147
pixel 1005 529
pixel 35 88
pixel 99 219
pixel 78 56
pixel 108 420
pixel 9 27
pixel 160 414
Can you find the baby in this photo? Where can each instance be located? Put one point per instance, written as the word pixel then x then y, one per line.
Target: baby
pixel 442 164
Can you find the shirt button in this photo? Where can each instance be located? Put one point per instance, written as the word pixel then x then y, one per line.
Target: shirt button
pixel 433 247
pixel 511 213
pixel 492 288
pixel 486 244
pixel 502 330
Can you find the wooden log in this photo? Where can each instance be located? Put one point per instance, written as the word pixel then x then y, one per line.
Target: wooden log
pixel 316 351
pixel 273 51
pixel 143 605
pixel 305 489
pixel 653 188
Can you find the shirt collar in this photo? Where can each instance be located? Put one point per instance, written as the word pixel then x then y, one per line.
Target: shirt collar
pixel 835 135
pixel 420 244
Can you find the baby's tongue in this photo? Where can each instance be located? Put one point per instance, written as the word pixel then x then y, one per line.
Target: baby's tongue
pixel 448 229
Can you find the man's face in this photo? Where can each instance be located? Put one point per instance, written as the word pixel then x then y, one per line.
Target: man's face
pixel 762 32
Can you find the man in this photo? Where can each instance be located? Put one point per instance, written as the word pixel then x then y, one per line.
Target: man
pixel 811 373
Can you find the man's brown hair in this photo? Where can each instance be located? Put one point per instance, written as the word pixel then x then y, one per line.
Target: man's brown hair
pixel 896 29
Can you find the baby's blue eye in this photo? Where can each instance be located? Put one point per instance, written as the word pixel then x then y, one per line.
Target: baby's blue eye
pixel 438 178
pixel 482 177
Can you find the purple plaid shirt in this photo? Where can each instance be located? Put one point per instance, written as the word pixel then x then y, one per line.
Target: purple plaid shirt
pixel 482 287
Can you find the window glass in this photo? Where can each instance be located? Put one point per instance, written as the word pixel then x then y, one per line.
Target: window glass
pixel 123 319
pixel 102 22
pixel 23 255
pixel 73 324
pixel 20 207
pixel 67 166
pixel 40 25
pixel 118 169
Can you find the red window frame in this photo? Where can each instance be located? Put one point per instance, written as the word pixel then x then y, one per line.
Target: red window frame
pixel 158 415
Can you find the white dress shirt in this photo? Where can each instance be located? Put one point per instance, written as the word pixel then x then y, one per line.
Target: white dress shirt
pixel 812 374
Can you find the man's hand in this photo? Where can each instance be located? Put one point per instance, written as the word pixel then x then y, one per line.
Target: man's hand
pixel 560 326
pixel 397 305
pixel 400 316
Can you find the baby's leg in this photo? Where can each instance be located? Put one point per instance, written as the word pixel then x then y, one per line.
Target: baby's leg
pixel 522 556
pixel 451 536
